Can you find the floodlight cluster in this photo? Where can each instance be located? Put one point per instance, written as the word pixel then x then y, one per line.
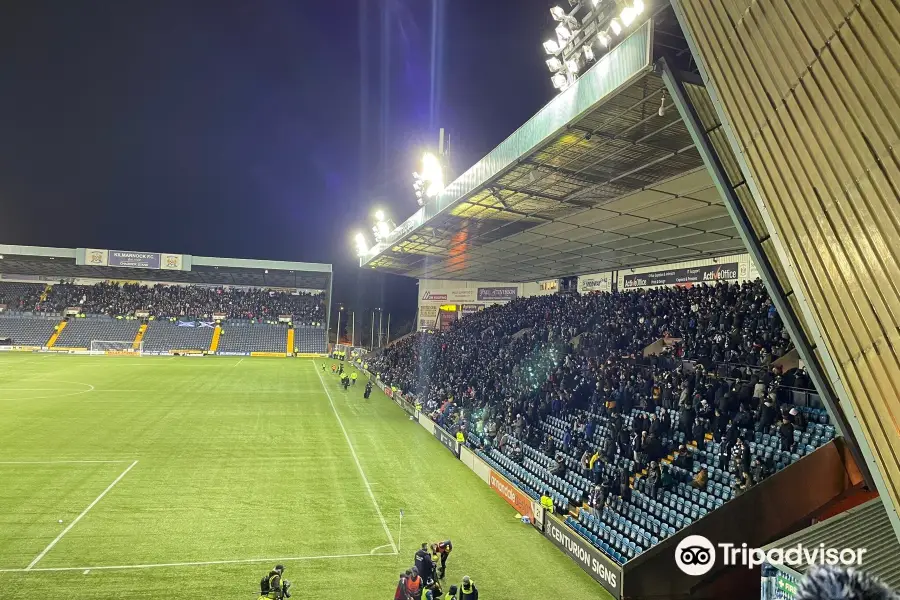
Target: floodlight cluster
pixel 565 67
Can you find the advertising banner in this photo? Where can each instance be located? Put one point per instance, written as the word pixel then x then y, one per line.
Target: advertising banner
pixel 513 495
pixel 706 274
pixel 136 260
pixel 594 562
pixel 469 309
pixel 448 296
pixel 599 282
pixel 497 294
pixel 447 440
pixel 388 391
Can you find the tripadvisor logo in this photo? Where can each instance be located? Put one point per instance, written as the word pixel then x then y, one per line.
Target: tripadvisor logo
pixel 696 555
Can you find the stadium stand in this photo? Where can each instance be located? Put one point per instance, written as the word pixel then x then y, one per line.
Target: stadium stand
pixel 20 296
pixel 556 394
pixel 79 333
pixel 24 331
pixel 244 336
pixel 163 336
pixel 309 340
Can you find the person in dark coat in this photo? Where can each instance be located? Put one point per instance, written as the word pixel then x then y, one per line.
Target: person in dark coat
pixel 686 421
pixel 766 416
pixel 786 433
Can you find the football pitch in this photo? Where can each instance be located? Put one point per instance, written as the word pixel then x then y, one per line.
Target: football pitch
pixel 172 478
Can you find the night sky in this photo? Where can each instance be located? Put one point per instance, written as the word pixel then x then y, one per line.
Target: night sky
pixel 268 129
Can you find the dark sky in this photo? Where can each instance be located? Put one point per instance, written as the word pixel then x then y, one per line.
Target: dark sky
pixel 266 129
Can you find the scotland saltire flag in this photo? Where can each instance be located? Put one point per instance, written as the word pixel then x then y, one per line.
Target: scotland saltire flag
pixel 209 324
pixel 185 323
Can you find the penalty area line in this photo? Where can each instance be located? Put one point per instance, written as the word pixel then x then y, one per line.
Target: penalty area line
pixel 74 522
pixel 205 563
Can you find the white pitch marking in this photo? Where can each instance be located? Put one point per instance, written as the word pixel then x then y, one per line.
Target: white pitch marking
pixel 238 362
pixel 195 564
pixel 375 550
pixel 58 462
pixel 79 517
pixel 356 460
pixel 86 571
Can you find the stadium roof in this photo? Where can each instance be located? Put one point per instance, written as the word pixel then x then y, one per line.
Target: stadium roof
pixel 865 526
pixel 595 181
pixel 64 263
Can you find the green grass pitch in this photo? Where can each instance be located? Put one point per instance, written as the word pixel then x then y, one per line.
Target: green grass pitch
pixel 185 478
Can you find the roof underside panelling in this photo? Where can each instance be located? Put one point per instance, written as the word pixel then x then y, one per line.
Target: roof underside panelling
pixel 620 187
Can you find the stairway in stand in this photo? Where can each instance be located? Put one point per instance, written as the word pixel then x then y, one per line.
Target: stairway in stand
pixel 139 336
pixel 57 330
pixel 290 340
pixel 214 344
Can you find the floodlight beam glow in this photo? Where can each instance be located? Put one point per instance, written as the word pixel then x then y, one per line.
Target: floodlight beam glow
pixel 432 175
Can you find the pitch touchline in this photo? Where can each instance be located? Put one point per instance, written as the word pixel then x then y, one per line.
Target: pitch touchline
pixel 356 460
pixel 78 518
pixel 198 563
pixel 58 462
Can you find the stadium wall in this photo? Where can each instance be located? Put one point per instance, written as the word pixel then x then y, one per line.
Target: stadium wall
pixel 472 296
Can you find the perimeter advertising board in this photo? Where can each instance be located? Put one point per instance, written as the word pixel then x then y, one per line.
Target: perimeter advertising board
pixel 447 440
pixel 513 496
pixel 706 274
pixel 595 563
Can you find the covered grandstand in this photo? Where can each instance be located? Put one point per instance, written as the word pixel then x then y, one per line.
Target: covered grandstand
pixel 69 300
pixel 601 186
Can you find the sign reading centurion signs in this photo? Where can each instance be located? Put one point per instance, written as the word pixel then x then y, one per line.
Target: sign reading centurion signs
pixel 588 558
pixel 706 274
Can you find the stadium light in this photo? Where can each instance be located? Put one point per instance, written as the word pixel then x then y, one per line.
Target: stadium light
pixel 604 39
pixel 589 53
pixel 558 13
pixel 572 66
pixel 554 64
pixel 551 46
pixel 560 81
pixel 379 215
pixel 563 33
pixel 615 26
pixel 430 182
pixel 362 246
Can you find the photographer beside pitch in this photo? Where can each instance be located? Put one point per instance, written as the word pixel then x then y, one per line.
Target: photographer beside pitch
pixel 273 586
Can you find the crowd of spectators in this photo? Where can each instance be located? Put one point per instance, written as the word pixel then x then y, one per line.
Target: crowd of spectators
pixel 499 374
pixel 167 301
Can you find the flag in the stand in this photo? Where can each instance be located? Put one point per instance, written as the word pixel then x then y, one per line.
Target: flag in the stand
pixel 185 323
pixel 209 324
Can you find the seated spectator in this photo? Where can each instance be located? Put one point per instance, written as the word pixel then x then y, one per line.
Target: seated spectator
pixel 559 468
pixel 684 459
pixel 700 479
pixel 596 500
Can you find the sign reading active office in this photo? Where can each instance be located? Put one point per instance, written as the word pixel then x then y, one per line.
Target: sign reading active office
pixel 706 274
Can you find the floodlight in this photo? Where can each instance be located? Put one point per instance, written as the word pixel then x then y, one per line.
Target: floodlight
pixel 628 15
pixel 572 66
pixel 588 53
pixel 432 174
pixel 362 247
pixel 638 6
pixel 379 215
pixel 558 13
pixel 551 47
pixel 662 107
pixel 604 39
pixel 563 33
pixel 560 81
pixel 383 228
pixel 554 64
pixel 615 26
